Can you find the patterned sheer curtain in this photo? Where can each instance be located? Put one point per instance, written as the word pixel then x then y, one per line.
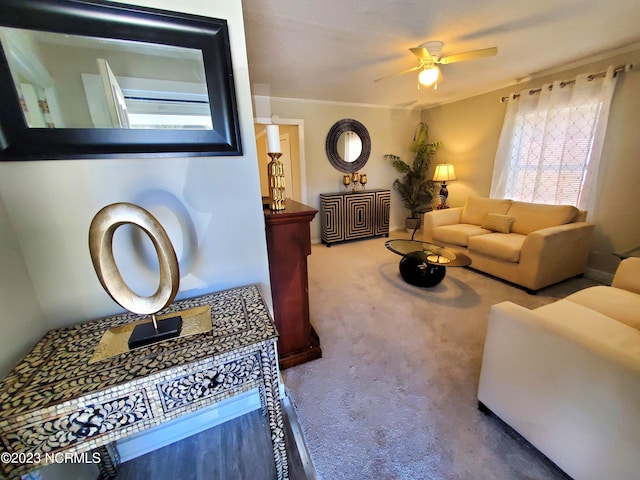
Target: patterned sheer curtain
pixel 551 142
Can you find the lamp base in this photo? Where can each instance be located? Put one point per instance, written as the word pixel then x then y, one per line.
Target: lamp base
pixel 146 333
pixel 444 194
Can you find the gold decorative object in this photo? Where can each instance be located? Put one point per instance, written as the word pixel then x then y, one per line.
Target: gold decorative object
pixel 276 182
pixel 101 231
pixel 355 178
pixel 114 341
pixel 363 180
pixel 346 181
pixel 438 259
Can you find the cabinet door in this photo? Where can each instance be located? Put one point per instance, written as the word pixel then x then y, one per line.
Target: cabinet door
pixel 332 218
pixel 359 215
pixel 383 207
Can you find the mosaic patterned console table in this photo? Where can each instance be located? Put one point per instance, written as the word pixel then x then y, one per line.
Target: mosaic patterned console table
pixel 58 400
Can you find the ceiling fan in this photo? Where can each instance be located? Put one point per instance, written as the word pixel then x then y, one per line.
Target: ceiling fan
pixel 429 56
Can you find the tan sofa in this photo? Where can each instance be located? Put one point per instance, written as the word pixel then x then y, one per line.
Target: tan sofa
pixel 566 376
pixel 532 245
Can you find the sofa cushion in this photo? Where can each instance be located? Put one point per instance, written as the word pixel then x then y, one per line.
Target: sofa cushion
pixel 529 217
pixel 621 305
pixel 476 208
pixel 497 222
pixel 457 234
pixel 503 246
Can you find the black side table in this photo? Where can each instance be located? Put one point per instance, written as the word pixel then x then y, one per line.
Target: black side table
pixel 424 264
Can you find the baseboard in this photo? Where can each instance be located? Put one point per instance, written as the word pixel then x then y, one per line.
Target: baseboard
pixel 599 275
pixel 183 427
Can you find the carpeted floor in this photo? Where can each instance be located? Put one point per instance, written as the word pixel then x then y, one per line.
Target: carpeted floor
pixel 394 396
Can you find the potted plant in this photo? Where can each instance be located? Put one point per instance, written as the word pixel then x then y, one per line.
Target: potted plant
pixel 416 190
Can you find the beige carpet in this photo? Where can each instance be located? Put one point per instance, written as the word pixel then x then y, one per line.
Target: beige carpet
pixel 394 396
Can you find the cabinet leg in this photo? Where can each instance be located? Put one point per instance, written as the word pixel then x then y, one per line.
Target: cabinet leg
pixel 109 461
pixel 274 409
pixel 263 400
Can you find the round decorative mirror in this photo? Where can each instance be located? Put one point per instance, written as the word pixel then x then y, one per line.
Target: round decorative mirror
pixel 348 145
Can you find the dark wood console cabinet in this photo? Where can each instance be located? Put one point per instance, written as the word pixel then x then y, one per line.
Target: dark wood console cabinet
pixel 288 245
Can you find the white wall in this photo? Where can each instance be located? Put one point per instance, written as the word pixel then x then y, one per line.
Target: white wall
pixel 21 321
pixel 210 206
pixel 391 131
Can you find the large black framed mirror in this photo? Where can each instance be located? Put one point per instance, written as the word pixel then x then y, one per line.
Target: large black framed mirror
pixel 92 79
pixel 348 145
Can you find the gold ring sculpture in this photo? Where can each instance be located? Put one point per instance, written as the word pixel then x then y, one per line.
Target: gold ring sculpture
pixel 101 231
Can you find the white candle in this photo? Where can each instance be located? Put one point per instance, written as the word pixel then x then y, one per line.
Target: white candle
pixel 273 138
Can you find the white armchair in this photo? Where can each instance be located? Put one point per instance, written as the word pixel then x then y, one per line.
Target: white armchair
pixel 566 376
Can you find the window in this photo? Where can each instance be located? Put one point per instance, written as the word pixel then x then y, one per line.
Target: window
pixel 550 154
pixel 551 142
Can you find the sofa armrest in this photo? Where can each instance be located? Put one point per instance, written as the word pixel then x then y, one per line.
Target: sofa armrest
pixel 439 218
pixel 556 253
pixel 627 275
pixel 565 396
pixel 616 343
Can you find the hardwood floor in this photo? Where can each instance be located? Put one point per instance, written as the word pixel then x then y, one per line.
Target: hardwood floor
pixel 239 449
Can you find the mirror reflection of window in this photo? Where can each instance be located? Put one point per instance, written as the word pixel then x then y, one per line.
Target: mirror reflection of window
pixel 158 86
pixel 116 104
pixel 349 146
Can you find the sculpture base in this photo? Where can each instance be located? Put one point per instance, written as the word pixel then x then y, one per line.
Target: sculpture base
pixel 145 333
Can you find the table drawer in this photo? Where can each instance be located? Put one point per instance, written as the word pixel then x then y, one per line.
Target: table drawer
pixel 214 381
pixel 91 421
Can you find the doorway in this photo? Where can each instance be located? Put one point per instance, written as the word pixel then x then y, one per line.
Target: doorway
pixel 292 146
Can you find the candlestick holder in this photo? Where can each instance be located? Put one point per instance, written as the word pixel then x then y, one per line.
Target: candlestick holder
pixel 355 178
pixel 346 181
pixel 363 180
pixel 275 174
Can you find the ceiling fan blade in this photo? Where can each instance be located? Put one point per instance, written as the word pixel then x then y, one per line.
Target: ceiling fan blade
pixel 399 73
pixel 461 57
pixel 421 53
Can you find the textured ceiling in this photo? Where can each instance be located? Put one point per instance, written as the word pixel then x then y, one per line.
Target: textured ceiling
pixel 333 50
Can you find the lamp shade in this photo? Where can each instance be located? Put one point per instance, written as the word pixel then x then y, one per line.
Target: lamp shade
pixel 429 76
pixel 444 172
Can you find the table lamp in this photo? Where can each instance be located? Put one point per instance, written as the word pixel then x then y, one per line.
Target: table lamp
pixel 444 172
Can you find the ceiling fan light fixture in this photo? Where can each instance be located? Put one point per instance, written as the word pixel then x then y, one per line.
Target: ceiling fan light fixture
pixel 429 76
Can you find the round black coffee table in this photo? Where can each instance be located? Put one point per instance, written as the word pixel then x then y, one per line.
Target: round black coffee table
pixel 424 264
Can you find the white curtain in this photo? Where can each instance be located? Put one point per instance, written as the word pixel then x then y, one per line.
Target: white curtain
pixel 551 142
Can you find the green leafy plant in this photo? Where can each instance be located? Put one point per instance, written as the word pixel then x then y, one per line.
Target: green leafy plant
pixel 416 190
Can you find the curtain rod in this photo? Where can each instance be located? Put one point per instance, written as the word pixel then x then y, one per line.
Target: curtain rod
pixel 622 68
